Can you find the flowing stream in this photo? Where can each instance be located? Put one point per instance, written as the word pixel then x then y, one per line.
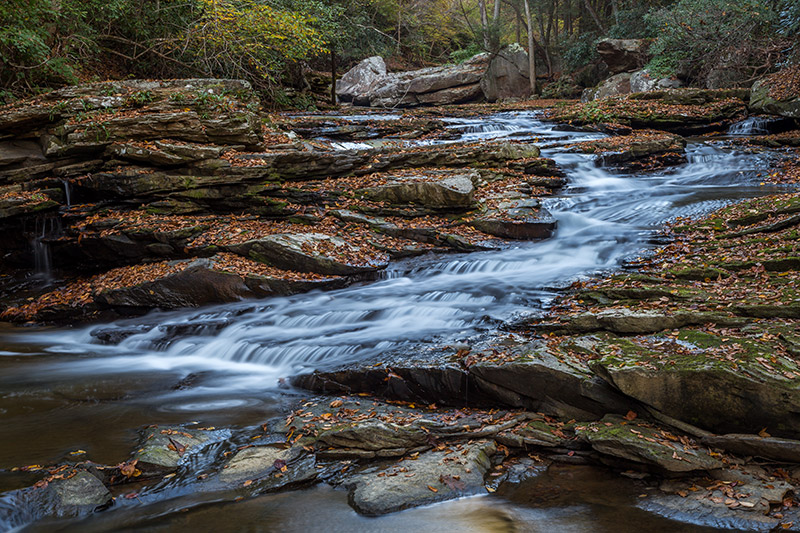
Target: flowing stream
pixel 61 390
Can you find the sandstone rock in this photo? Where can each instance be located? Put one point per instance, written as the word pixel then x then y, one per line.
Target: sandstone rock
pixel 450 476
pixel 521 219
pixel 311 252
pixel 195 285
pixel 357 82
pixel 646 445
pixel 706 392
pixel 507 75
pixel 628 321
pixel 623 55
pixel 266 468
pixel 158 451
pixel 453 191
pixel 642 81
pixel 615 85
pixel 81 491
pixel 787 450
pixel 449 84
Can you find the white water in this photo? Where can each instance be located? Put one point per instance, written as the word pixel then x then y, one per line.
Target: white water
pixel 602 217
pixel 750 126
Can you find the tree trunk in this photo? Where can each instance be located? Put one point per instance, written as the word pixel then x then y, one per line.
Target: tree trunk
pixel 333 76
pixel 496 14
pixel 484 24
pixel 593 13
pixel 531 55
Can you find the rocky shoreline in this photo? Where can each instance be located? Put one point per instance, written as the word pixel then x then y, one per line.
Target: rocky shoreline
pixel 679 373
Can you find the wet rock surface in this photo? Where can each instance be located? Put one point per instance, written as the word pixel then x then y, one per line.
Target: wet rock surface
pixel 173 195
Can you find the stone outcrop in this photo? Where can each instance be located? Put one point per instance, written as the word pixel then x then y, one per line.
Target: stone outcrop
pixel 623 55
pixel 484 77
pixel 507 75
pixel 449 84
pixel 629 82
pixel 170 194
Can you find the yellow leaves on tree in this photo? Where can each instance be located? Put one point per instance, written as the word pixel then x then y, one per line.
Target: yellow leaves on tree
pixel 250 36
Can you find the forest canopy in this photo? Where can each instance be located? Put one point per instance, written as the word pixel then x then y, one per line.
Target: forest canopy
pixel 275 43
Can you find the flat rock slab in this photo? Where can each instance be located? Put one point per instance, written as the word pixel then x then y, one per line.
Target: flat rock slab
pixel 755 445
pixel 628 321
pixel 266 468
pixel 646 445
pixel 519 373
pixel 312 252
pixel 446 191
pixel 519 219
pixel 431 477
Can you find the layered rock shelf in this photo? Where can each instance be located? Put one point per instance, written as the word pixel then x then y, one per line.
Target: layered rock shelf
pixel 145 195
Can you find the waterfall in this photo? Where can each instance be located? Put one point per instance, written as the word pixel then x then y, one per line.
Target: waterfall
pixel 67 191
pixel 750 126
pixel 46 228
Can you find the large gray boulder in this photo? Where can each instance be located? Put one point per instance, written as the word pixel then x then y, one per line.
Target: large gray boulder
pixel 368 84
pixel 643 81
pixel 623 55
pixel 613 86
pixel 507 75
pixel 359 80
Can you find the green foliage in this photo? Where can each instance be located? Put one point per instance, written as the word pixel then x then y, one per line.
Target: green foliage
pixel 696 36
pixel 580 51
pixel 459 56
pixel 595 111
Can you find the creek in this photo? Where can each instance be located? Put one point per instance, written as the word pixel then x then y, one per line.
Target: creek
pixel 63 392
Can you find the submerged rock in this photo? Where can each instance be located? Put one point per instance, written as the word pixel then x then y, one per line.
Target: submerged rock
pixel 82 492
pixel 162 448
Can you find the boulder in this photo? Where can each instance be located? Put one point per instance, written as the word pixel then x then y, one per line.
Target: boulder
pixel 194 285
pixel 615 85
pixel 357 82
pixel 507 75
pixel 623 55
pixel 743 395
pixel 267 468
pixel 162 448
pixel 432 476
pixel 438 190
pixel 81 492
pixel 517 218
pixel 369 84
pixel 643 81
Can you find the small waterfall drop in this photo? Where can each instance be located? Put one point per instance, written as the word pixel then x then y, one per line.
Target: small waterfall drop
pixel 45 229
pixel 67 191
pixel 750 126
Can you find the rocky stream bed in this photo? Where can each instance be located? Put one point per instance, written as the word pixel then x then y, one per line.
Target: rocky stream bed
pixel 576 311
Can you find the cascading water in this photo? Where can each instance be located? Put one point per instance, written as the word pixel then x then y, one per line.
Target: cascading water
pixel 45 228
pixel 750 126
pixel 602 218
pixel 221 365
pixel 67 191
